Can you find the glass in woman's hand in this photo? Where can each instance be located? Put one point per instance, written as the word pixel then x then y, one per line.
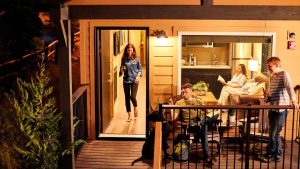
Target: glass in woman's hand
pixel 123 68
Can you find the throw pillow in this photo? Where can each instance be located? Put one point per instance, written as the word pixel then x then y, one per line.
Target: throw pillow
pixel 248 87
pixel 259 89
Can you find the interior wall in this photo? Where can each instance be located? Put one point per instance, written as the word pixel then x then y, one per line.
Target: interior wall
pixel 143 47
pixel 116 64
pixel 135 39
pixel 204 55
pixel 163 59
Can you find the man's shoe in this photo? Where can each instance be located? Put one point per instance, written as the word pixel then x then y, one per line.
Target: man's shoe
pixel 267 158
pixel 277 158
pixel 208 159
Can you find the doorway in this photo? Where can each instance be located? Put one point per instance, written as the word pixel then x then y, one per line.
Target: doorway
pixel 111 115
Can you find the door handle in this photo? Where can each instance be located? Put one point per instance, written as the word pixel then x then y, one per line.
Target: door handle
pixel 109 81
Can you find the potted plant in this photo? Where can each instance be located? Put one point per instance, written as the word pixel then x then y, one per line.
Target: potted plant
pixel 231 114
pixel 201 86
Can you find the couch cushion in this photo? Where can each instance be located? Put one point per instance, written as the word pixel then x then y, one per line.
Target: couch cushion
pixel 258 89
pixel 260 78
pixel 248 87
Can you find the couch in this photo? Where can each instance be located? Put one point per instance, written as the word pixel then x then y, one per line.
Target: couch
pixel 253 91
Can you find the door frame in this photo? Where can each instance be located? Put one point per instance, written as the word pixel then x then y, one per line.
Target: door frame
pixel 98 77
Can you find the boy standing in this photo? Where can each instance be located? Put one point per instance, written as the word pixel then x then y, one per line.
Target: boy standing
pixel 280 92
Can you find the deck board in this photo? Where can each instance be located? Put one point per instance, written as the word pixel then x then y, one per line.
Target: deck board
pixel 120 154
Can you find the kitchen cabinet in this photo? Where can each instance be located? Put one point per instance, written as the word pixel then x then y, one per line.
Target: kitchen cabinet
pixel 193 75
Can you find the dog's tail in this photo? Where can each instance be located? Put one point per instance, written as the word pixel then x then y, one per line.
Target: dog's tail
pixel 136 160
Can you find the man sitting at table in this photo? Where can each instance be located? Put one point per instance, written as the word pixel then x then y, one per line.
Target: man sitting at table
pixel 195 115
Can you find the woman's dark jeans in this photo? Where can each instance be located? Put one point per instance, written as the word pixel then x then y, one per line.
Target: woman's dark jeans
pixel 130 90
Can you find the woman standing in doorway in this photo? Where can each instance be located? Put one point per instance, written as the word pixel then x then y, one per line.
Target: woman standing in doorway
pixel 131 69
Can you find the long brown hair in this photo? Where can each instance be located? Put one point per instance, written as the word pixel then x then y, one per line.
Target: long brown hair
pixel 125 54
pixel 243 67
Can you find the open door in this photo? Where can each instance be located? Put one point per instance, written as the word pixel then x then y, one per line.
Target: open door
pixel 106 80
pixel 110 100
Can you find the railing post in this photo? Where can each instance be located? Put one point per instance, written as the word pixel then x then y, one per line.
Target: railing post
pixel 157 146
pixel 248 139
pixel 160 109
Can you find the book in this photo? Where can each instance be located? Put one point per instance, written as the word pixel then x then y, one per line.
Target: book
pixel 221 79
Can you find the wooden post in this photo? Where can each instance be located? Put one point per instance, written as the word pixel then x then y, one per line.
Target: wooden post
pixel 157 145
pixel 65 86
pixel 207 2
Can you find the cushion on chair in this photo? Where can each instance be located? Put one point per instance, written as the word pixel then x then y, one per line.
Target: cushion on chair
pixel 248 87
pixel 259 89
pixel 252 92
pixel 260 78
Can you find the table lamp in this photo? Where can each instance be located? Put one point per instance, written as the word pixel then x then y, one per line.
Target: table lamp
pixel 253 66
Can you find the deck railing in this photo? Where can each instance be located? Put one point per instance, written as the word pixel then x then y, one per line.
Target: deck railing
pixel 79 98
pixel 242 142
pixel 15 66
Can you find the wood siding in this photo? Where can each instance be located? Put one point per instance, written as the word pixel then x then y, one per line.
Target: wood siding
pixel 163 69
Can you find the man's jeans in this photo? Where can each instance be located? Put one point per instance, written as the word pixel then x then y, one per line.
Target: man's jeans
pixel 276 122
pixel 201 132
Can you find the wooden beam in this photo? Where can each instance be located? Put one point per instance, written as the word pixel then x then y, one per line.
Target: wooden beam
pixel 65 86
pixel 185 12
pixel 65 93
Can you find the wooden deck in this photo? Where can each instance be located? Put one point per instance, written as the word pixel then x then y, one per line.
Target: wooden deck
pixel 120 154
pixel 111 154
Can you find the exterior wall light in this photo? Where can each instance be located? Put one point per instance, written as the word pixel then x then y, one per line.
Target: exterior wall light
pixel 160 34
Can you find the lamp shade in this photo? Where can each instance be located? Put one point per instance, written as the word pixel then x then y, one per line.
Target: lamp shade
pixel 253 65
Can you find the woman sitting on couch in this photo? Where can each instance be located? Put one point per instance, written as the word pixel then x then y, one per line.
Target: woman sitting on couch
pixel 234 86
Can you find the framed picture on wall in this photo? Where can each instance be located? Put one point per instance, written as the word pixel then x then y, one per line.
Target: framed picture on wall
pixel 125 37
pixel 118 40
pixel 116 43
pixel 121 37
pixel 115 83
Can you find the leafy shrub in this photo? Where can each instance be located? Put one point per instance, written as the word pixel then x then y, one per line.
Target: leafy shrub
pixel 38 121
